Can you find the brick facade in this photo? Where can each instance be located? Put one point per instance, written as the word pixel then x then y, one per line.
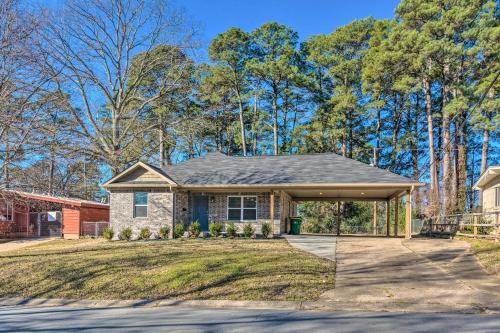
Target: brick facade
pixel 160 211
pixel 217 209
pixel 165 207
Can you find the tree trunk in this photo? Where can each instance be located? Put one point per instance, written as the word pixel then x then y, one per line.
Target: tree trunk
pixel 6 161
pixel 376 151
pixel 284 145
pixel 343 148
pixel 350 134
pixel 161 140
pixel 434 189
pixel 242 124
pixel 412 127
pixel 484 159
pixel 51 172
pixel 254 126
pixel 460 168
pixel 275 122
pixel 446 163
pixel 395 131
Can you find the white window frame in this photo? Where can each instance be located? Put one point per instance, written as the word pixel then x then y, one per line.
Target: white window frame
pixel 497 196
pixel 10 212
pixel 140 205
pixel 242 208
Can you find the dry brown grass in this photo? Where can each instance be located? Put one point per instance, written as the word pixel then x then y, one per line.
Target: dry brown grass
pixel 488 253
pixel 182 269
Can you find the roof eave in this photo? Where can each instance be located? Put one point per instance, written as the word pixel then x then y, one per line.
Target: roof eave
pixel 303 185
pixel 138 185
pixel 483 178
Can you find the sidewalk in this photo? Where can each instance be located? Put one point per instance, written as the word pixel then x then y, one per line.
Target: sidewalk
pixel 15 244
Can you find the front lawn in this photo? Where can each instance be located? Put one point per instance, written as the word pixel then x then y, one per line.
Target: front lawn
pixel 182 269
pixel 487 252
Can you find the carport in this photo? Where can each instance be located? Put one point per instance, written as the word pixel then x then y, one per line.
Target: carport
pixel 389 193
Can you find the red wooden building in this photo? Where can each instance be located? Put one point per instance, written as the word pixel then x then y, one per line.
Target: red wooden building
pixel 25 214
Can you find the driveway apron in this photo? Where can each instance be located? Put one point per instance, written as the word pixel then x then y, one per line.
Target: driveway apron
pixel 321 246
pixel 393 270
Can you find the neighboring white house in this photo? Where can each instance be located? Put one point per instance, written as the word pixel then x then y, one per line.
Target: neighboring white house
pixel 489 185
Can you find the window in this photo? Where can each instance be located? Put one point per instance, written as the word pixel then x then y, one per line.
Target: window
pixel 140 204
pixel 497 197
pixel 6 211
pixel 241 208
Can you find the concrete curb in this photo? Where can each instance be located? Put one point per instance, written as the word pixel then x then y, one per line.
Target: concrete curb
pixel 227 304
pixel 323 306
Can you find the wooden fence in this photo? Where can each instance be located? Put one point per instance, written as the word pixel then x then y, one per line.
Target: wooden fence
pixel 476 225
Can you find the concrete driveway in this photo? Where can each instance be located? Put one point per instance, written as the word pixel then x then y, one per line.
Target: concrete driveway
pixel 321 246
pixel 412 273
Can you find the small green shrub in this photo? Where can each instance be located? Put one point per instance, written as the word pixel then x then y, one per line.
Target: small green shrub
pixel 108 234
pixel 179 230
pixel 215 229
pixel 248 230
pixel 231 230
pixel 125 234
pixel 194 229
pixel 145 234
pixel 164 231
pixel 266 229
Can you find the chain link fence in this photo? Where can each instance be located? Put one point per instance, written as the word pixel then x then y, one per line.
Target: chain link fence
pixel 94 229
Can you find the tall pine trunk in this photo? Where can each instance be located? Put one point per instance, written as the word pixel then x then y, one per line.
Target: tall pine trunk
pixel 284 144
pixel 412 126
pixel 434 185
pixel 484 159
pixel 242 124
pixel 461 167
pixel 254 126
pixel 275 122
pixel 446 163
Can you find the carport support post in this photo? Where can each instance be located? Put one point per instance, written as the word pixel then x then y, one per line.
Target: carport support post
pixel 375 206
pixel 388 216
pixel 396 217
pixel 338 218
pixel 271 210
pixel 408 215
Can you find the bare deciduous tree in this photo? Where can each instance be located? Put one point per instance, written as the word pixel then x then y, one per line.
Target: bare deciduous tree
pixel 91 48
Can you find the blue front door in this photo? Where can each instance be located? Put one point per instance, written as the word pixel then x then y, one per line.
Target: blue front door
pixel 200 210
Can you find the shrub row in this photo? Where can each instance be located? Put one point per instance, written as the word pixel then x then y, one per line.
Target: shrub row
pixel 194 231
pixel 144 233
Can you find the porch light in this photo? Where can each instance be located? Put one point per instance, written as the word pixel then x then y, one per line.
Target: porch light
pixel 362 193
pixel 320 193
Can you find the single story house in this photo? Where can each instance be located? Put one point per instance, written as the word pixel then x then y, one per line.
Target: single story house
pixel 489 186
pixel 24 214
pixel 256 189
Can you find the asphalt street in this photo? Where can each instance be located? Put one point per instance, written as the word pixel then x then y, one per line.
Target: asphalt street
pixel 176 319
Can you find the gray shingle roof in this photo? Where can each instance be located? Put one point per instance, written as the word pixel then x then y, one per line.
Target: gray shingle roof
pixel 220 169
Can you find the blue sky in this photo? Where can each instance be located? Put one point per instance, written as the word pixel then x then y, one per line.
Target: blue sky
pixel 306 17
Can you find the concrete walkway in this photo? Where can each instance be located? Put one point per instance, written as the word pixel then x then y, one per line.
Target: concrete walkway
pixel 10 245
pixel 321 246
pixel 415 272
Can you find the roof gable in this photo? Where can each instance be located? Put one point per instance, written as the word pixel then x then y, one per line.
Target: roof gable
pixel 140 174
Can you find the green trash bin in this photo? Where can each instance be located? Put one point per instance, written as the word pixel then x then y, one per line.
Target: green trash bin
pixel 295 225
